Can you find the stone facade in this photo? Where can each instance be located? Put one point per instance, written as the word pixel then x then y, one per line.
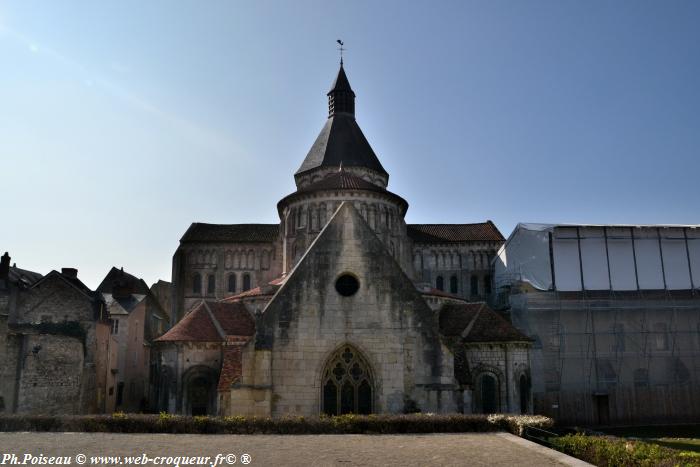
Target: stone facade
pixel 347 301
pixel 135 320
pixel 51 350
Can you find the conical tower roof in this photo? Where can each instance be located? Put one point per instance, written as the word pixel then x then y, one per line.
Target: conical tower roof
pixel 341 141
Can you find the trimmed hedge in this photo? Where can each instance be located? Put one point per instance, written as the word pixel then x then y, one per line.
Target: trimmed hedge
pixel 344 424
pixel 613 452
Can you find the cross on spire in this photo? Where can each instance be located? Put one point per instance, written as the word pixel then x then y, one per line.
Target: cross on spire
pixel 341 48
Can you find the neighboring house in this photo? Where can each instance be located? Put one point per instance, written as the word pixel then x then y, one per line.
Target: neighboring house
pixel 13 281
pixel 135 318
pixel 56 339
pixel 614 312
pixel 163 291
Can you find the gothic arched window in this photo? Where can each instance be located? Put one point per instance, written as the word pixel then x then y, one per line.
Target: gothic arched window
pixel 232 283
pixel 474 285
pixel 347 384
pixel 440 283
pixel 246 282
pixel 196 283
pixel 453 284
pixel 211 284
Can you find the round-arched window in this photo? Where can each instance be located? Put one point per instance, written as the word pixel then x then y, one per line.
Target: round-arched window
pixel 347 285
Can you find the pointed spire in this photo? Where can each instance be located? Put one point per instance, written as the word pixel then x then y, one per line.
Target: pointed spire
pixel 341 97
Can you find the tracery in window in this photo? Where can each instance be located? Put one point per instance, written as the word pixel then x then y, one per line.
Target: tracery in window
pixel 347 384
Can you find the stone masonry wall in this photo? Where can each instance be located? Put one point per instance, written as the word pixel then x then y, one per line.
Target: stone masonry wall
pixel 51 375
pixel 386 321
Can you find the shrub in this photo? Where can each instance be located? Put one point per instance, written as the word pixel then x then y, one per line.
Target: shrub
pixel 343 424
pixel 610 451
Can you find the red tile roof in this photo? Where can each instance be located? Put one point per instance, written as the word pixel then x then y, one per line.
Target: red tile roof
pixel 259 291
pixel 477 322
pixel 441 293
pixel 254 292
pixel 454 233
pixel 199 325
pixel 342 181
pixel 196 326
pixel 233 318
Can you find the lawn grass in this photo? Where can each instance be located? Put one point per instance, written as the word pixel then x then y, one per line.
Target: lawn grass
pixel 684 444
pixel 681 437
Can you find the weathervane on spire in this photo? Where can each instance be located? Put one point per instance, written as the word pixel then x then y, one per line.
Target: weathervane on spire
pixel 341 48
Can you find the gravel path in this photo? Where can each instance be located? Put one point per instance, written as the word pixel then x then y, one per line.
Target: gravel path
pixel 473 449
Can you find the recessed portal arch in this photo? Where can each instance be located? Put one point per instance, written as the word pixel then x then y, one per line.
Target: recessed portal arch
pixel 346 383
pixel 199 389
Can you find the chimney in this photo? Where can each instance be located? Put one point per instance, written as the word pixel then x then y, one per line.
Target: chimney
pixel 5 266
pixel 70 273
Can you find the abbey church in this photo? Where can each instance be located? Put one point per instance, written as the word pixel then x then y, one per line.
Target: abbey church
pixel 341 307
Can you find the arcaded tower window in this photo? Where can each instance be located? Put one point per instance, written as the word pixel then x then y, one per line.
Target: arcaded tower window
pixel 347 285
pixel 440 283
pixel 196 284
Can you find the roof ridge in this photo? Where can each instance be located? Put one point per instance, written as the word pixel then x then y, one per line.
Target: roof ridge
pixel 463 223
pixel 215 321
pixel 470 326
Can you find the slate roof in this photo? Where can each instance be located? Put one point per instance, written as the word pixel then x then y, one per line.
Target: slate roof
pixel 120 277
pixel 238 233
pixel 341 82
pixel 128 302
pixel 23 277
pixel 454 233
pixel 341 141
pixel 477 322
pixel 202 323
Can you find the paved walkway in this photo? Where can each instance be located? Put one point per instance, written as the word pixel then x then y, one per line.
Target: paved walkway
pixel 472 449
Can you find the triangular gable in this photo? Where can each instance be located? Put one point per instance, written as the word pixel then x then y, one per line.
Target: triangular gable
pixel 346 244
pixel 196 326
pixel 477 322
pixel 76 284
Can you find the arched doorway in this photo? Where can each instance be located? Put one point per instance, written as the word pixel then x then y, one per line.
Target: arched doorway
pixel 524 394
pixel 487 393
pixel 199 396
pixel 346 384
pixel 199 385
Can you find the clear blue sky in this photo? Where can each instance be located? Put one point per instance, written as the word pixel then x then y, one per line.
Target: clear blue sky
pixel 123 122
